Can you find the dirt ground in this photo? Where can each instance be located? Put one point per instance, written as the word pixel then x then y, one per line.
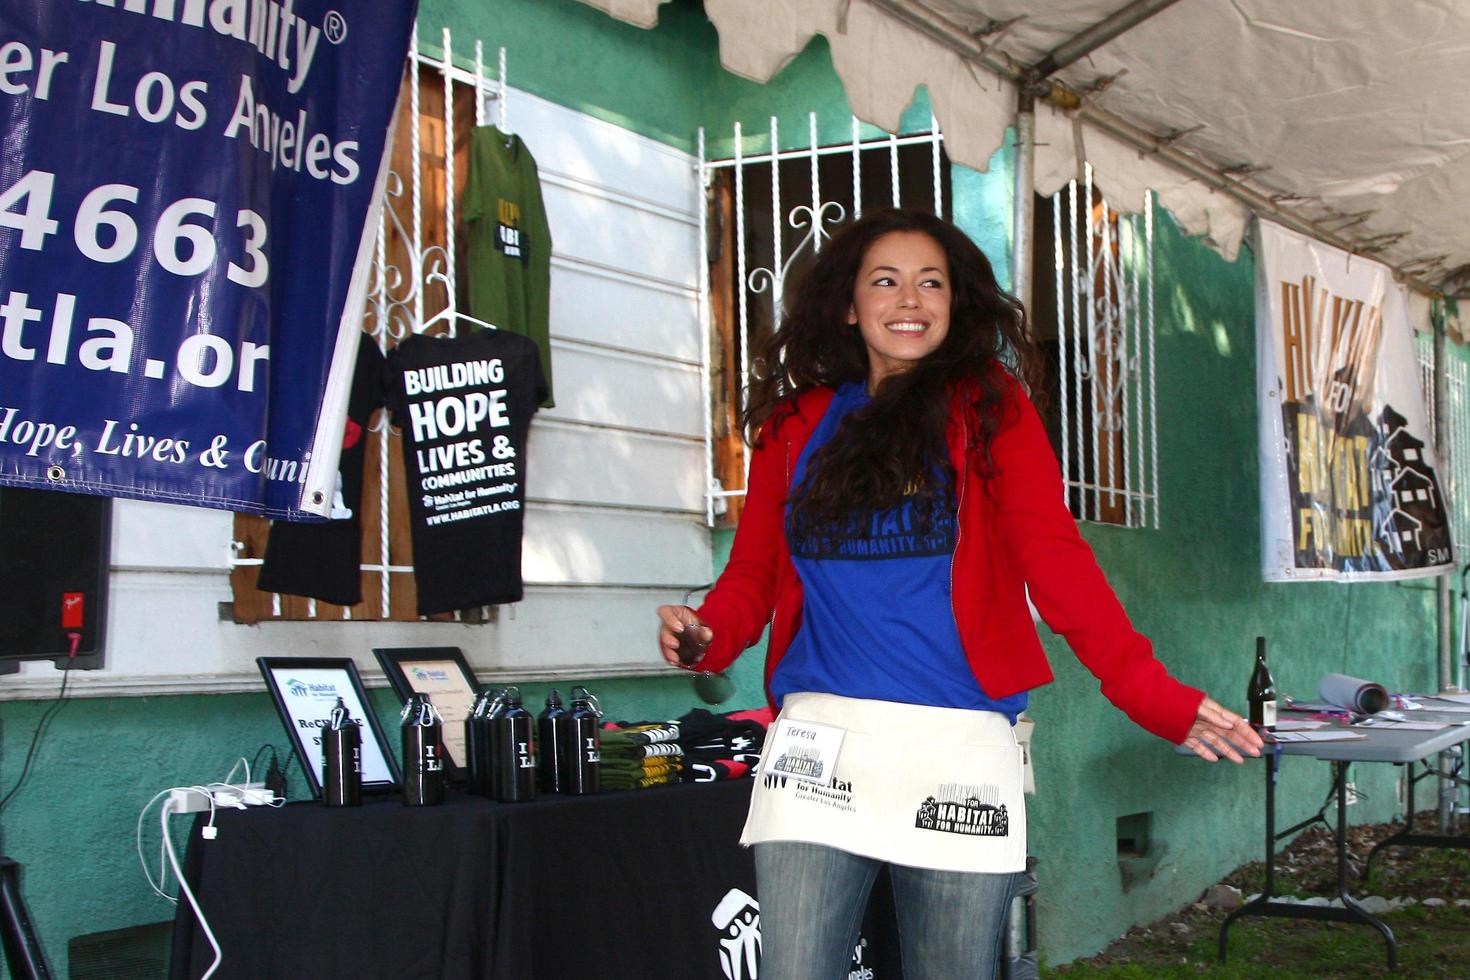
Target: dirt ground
pixel 1432 930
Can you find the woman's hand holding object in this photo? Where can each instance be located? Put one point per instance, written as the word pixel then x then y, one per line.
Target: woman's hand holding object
pixel 682 638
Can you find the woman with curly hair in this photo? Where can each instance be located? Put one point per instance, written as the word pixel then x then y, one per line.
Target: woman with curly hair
pixel 903 499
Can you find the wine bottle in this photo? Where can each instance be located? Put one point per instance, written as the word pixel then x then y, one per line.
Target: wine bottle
pixel 1261 694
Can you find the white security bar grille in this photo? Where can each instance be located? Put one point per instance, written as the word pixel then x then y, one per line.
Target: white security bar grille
pixel 1106 374
pixel 1454 473
pixel 805 211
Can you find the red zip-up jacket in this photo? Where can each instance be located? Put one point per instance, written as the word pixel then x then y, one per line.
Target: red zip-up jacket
pixel 1014 532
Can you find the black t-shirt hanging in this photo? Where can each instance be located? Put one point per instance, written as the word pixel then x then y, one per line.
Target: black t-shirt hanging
pixel 322 559
pixel 464 406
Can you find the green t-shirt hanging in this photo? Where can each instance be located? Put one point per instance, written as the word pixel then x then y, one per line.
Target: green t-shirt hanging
pixel 509 257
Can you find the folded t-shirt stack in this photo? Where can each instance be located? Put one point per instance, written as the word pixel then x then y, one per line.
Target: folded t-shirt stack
pixel 697 747
pixel 640 756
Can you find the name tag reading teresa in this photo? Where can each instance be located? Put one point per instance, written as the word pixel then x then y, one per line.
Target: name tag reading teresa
pixel 803 750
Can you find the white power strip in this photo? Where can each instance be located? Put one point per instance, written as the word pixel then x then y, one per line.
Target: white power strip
pixel 197 798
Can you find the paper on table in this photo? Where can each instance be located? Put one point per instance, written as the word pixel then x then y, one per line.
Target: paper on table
pixel 1332 735
pixel 1427 703
pixel 1294 725
pixel 1405 726
pixel 1461 698
pixel 1293 705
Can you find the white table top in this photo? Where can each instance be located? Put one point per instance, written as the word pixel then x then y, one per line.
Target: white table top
pixel 1381 744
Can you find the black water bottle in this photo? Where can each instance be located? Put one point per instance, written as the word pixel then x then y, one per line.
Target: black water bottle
pixel 490 743
pixel 423 752
pixel 552 726
pixel 515 759
pixel 1261 694
pixel 477 744
pixel 584 755
pixel 341 759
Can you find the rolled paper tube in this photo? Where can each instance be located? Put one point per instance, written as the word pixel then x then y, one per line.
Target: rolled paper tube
pixel 1353 692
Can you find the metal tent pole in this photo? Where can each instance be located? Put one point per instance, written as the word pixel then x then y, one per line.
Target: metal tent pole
pixel 1099 34
pixel 1024 205
pixel 1447 788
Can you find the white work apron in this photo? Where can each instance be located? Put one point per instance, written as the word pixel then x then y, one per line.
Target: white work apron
pixel 926 787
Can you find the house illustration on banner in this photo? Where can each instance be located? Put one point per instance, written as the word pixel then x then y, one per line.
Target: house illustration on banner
pixel 1407 528
pixel 1411 486
pixel 1402 479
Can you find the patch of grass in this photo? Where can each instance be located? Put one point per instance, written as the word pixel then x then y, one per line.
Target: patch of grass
pixel 1433 942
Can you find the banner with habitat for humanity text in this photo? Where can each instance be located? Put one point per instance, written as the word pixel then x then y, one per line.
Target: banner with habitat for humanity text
pixel 185 194
pixel 1349 481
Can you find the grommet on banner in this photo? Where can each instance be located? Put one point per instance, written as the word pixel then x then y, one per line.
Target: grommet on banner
pixel 55 473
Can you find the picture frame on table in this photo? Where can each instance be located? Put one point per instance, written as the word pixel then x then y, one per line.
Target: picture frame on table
pixel 305 690
pixel 443 674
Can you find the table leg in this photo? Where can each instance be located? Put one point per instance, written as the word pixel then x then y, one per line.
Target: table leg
pixel 1265 905
pixel 1349 904
pixel 1262 902
pixel 1406 837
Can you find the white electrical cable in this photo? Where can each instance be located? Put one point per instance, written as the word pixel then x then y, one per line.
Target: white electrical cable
pixel 242 761
pixel 158 885
pixel 173 859
pixel 210 792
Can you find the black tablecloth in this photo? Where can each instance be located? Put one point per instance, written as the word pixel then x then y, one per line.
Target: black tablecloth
pixel 642 884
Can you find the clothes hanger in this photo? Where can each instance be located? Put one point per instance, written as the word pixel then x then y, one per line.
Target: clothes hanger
pixel 452 316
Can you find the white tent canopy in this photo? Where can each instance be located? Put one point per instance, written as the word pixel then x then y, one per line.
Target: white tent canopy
pixel 1344 118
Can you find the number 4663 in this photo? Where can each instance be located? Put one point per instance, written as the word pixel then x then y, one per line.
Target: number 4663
pixel 104 232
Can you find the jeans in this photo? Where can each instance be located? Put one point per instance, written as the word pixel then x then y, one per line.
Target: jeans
pixel 813 897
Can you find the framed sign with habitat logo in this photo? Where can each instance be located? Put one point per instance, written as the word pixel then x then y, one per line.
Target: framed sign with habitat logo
pixel 441 674
pixel 305 690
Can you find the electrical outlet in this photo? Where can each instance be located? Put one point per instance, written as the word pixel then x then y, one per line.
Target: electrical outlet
pixel 188 800
pixel 254 794
pixel 193 800
pixel 1351 792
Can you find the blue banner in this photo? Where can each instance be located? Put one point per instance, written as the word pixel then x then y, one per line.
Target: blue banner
pixel 185 188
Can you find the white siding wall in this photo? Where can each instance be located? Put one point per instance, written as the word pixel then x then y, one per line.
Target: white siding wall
pixel 614 522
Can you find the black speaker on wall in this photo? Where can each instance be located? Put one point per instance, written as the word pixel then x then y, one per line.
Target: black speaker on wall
pixel 55 553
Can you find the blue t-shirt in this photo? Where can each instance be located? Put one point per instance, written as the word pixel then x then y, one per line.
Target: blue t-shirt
pixel 877 622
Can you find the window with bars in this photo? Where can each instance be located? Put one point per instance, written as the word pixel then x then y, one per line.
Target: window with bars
pixel 1092 314
pixel 1092 310
pixel 1454 473
pixel 413 288
pixel 767 212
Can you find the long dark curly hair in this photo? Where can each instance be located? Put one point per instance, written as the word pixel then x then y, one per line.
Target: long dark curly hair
pixel 894 447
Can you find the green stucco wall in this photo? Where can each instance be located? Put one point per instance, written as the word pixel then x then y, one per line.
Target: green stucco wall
pixel 574 55
pixel 1193 586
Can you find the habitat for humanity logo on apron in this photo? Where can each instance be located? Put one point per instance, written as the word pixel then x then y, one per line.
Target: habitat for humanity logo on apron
pixel 976 811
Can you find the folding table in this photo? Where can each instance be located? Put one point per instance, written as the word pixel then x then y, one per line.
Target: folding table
pixel 1395 746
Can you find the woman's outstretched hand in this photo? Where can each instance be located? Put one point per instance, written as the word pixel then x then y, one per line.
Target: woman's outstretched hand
pixel 682 638
pixel 1220 732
